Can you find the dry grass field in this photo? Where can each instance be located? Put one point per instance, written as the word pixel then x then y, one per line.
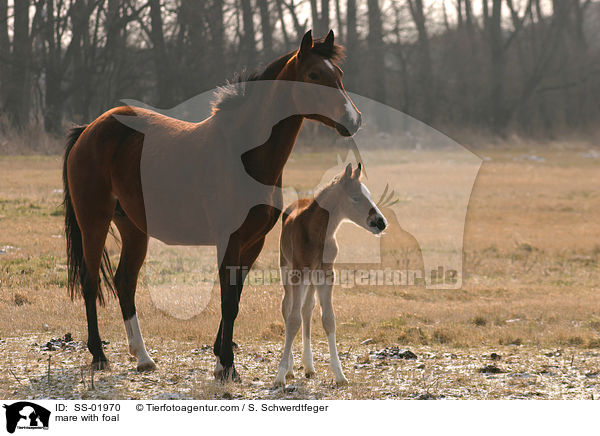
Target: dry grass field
pixel 530 295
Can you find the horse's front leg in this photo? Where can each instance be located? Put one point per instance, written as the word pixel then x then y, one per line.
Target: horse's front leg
pixel 229 310
pixel 233 276
pixel 229 277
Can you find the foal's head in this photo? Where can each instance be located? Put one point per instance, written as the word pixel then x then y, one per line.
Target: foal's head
pixel 315 63
pixel 354 201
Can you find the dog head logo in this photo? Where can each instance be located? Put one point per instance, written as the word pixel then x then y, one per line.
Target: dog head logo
pixel 26 415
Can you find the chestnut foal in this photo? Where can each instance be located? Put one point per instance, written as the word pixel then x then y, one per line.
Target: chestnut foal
pixel 307 251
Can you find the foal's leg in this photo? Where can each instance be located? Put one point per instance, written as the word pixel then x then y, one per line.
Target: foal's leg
pixel 291 308
pixel 133 252
pixel 328 318
pixel 307 311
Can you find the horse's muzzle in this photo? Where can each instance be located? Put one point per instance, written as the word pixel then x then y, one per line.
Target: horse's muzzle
pixel 377 224
pixel 349 125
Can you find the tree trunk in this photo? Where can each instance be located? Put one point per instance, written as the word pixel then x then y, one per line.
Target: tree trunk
pixel 425 79
pixel 82 89
pixel 497 69
pixel 352 49
pixel 376 52
pixel 53 74
pixel 217 31
pixel 4 51
pixel 159 52
pixel 248 46
pixel 18 98
pixel 316 22
pixel 266 29
pixel 286 38
pixel 340 24
pixel 320 20
pixel 324 22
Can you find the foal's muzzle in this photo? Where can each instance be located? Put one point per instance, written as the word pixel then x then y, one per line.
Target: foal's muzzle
pixel 377 224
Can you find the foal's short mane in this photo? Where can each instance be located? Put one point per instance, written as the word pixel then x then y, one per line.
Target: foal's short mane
pixel 329 184
pixel 231 94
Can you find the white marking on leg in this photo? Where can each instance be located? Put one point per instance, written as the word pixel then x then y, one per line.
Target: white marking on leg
pixel 218 368
pixel 137 347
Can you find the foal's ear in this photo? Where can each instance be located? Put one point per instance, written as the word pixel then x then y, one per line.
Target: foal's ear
pixel 306 45
pixel 348 171
pixel 329 39
pixel 357 171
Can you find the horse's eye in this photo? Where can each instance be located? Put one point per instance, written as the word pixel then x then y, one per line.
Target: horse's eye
pixel 313 76
pixel 355 199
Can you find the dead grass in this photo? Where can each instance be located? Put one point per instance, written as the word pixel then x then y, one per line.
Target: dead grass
pixel 27 141
pixel 532 250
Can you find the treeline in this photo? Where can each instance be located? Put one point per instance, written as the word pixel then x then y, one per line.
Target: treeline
pixel 530 66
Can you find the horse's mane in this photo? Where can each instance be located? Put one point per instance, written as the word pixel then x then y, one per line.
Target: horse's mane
pixel 233 92
pixel 320 190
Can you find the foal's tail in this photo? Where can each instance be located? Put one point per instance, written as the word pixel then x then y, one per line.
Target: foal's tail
pixel 76 269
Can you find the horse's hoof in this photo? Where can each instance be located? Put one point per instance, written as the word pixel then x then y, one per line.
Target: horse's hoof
pixel 100 365
pixel 230 374
pixel 310 374
pixel 342 381
pixel 278 383
pixel 290 374
pixel 146 366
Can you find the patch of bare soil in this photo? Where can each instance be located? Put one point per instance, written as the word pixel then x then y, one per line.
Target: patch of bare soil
pixel 39 366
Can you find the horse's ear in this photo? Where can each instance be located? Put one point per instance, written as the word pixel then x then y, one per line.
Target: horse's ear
pixel 306 45
pixel 329 39
pixel 348 171
pixel 357 172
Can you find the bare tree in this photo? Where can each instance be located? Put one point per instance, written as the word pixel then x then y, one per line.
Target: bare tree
pixel 248 43
pixel 376 51
pixel 18 96
pixel 266 29
pixel 298 26
pixel 340 21
pixel 4 51
pixel 159 54
pixel 425 76
pixel 352 48
pixel 320 19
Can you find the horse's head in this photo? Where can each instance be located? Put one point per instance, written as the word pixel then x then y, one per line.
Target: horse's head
pixel 355 202
pixel 315 63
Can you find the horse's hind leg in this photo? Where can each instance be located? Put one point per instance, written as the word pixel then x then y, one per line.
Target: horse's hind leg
pixel 94 224
pixel 293 319
pixel 133 252
pixel 307 311
pixel 328 319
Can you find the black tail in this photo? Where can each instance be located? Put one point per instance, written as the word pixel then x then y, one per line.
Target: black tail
pixel 75 263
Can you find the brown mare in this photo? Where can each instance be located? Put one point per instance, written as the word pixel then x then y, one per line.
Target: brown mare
pixel 102 181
